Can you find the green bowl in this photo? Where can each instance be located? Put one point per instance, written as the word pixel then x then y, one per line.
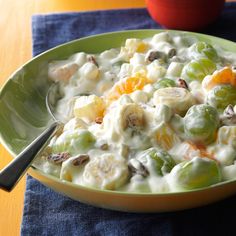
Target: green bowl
pixel 24 116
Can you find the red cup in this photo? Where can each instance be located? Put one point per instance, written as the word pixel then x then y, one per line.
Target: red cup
pixel 184 14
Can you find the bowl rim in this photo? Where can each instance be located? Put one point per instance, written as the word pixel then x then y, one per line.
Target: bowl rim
pixel 125 193
pixel 104 191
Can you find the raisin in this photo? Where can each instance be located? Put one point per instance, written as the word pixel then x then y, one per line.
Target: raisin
pixel 80 160
pixel 133 121
pixel 182 83
pixel 154 55
pixel 93 60
pixel 140 170
pixel 99 120
pixel 229 116
pixel 58 158
pixel 104 146
pixel 171 53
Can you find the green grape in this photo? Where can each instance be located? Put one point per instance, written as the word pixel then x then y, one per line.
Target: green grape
pixel 201 123
pixel 164 83
pixel 198 69
pixel 197 173
pixel 203 49
pixel 74 143
pixel 221 96
pixel 163 161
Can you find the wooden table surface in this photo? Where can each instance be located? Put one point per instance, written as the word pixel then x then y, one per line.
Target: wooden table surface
pixel 15 49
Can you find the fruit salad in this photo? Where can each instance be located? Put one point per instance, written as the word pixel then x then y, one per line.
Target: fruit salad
pixel 155 115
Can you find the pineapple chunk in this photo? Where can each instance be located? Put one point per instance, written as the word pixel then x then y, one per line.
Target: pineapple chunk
pixel 89 107
pixel 132 46
pixel 136 45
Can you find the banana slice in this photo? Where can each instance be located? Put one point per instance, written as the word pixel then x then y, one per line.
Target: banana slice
pixel 89 107
pixel 179 99
pixel 73 167
pixel 106 172
pixel 131 116
pixel 131 125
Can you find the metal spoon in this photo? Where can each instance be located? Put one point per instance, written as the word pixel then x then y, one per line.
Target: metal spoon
pixel 12 173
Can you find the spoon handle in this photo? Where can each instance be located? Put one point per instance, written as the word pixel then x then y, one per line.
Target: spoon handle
pixel 12 173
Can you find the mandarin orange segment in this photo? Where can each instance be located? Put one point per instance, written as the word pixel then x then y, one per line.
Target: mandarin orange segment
pixel 223 76
pixel 166 137
pixel 192 150
pixel 128 86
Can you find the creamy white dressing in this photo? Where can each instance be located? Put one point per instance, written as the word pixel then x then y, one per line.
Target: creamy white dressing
pixel 134 117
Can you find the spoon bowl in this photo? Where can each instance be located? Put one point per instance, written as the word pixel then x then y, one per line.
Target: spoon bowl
pixel 13 172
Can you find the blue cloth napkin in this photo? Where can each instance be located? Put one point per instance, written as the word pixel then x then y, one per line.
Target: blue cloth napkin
pixel 48 213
